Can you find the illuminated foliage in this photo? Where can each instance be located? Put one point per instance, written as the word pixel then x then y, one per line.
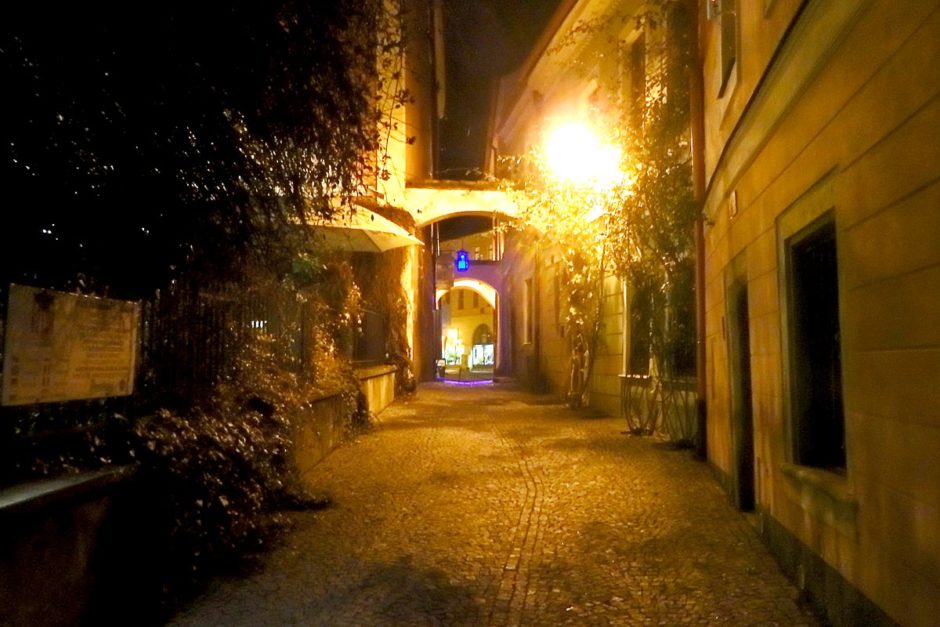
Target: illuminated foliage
pixel 569 217
pixel 639 227
pixel 651 229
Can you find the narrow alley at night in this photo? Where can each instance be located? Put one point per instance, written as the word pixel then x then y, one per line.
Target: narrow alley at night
pixel 470 312
pixel 485 505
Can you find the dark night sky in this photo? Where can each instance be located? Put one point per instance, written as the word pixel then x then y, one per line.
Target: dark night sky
pixel 485 39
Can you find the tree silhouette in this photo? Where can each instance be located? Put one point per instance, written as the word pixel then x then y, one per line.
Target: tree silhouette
pixel 138 140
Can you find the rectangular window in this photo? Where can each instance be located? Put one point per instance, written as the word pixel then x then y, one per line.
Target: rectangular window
pixel 528 312
pixel 728 19
pixel 637 80
pixel 370 337
pixel 460 299
pixel 641 319
pixel 556 299
pixel 817 416
pixel 681 335
pixel 476 300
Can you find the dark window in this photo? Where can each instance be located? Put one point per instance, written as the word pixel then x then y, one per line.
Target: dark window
pixel 637 79
pixel 476 300
pixel 641 320
pixel 816 368
pixel 528 312
pixel 681 335
pixel 369 337
pixel 729 41
pixel 460 299
pixel 679 22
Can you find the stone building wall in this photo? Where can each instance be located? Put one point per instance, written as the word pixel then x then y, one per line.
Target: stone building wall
pixel 832 113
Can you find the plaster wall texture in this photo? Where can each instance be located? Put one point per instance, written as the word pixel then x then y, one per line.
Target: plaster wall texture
pixel 518 355
pixel 846 120
pixel 553 351
pixel 378 384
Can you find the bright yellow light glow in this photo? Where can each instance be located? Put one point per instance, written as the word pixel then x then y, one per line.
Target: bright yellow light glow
pixel 452 334
pixel 575 154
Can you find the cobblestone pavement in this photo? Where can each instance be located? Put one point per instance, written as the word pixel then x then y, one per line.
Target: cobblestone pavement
pixel 486 506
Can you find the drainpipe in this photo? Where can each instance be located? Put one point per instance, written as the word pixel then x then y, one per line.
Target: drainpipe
pixel 537 321
pixel 697 115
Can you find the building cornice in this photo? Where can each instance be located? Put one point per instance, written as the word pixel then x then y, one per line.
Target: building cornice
pixel 815 34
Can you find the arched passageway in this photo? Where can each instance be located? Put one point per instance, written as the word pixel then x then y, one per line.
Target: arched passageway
pixel 468 281
pixel 468 340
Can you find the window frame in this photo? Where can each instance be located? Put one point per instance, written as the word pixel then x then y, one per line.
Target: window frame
pixel 811 234
pixel 728 40
pixel 813 210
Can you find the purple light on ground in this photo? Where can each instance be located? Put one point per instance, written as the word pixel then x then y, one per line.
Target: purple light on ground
pixel 469 383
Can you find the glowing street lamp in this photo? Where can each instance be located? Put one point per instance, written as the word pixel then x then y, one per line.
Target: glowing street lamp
pixel 576 155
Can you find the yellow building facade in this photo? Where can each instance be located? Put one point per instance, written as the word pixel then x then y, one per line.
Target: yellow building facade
pixel 592 67
pixel 822 264
pixel 821 260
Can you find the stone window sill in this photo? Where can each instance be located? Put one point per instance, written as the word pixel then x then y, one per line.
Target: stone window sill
pixel 826 495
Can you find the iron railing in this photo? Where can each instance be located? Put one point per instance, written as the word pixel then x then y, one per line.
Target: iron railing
pixel 659 405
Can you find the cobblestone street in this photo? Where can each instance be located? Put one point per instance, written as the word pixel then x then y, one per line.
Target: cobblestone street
pixel 487 506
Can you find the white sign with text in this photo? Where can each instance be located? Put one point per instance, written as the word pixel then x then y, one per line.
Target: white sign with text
pixel 62 347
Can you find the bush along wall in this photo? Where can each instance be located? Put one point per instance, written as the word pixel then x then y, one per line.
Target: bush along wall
pixel 220 474
pixel 216 471
pixel 177 170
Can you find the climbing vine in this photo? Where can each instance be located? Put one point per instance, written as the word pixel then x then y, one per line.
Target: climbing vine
pixel 641 227
pixel 569 220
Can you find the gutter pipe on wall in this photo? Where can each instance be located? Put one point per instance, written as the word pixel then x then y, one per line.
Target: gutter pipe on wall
pixel 697 115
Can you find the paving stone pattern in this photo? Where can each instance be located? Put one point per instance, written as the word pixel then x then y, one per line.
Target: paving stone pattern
pixel 487 506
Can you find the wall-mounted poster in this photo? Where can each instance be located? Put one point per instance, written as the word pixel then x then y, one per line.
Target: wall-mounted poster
pixel 62 347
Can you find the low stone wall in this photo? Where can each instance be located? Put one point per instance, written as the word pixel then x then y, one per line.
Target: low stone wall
pixel 72 541
pixel 73 551
pixel 378 383
pixel 51 550
pixel 326 424
pixel 319 431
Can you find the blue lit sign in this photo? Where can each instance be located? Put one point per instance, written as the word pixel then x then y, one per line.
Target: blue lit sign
pixel 463 261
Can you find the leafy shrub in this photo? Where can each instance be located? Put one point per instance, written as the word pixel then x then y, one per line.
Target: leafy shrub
pixel 219 479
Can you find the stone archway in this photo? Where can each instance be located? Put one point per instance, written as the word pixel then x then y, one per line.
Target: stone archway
pixel 482 335
pixel 438 200
pixel 468 314
pixel 435 206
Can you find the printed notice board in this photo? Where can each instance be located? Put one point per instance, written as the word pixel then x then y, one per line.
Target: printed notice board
pixel 62 347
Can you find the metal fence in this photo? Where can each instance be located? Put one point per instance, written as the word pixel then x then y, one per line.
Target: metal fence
pixel 193 337
pixel 652 404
